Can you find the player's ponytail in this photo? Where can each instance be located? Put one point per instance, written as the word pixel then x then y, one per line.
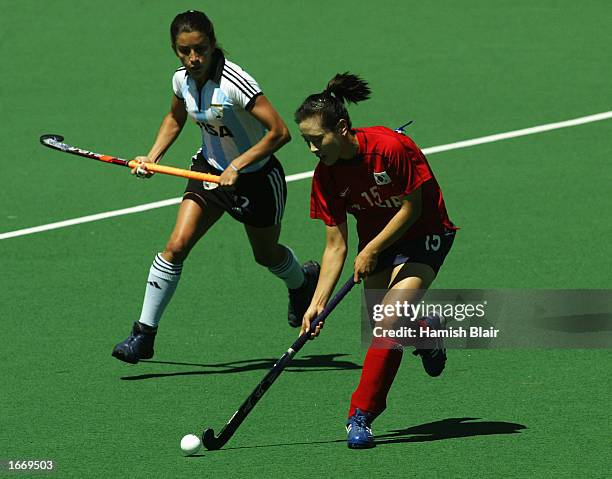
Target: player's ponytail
pixel 347 87
pixel 329 104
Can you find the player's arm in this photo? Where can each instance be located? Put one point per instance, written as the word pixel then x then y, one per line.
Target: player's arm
pixel 332 262
pixel 276 136
pixel 170 128
pixel 408 214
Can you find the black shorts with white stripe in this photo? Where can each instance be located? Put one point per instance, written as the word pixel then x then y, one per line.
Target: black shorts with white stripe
pixel 258 199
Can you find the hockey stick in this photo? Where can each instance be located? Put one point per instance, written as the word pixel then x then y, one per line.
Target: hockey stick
pixel 403 127
pixel 212 442
pixel 57 143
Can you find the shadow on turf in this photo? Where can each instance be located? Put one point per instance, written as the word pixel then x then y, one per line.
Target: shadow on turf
pixel 451 428
pixel 319 362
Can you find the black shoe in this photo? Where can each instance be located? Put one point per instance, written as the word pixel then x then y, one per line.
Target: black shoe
pixel 299 299
pixel 138 345
pixel 434 358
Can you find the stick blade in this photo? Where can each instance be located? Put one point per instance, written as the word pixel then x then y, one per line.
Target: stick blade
pixel 45 139
pixel 209 440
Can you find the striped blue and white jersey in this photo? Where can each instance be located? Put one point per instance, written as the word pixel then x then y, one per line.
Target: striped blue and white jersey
pixel 221 110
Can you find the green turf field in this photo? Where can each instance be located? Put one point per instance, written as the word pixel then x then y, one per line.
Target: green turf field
pixel 534 213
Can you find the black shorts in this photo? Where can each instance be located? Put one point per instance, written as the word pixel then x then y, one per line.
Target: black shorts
pixel 258 199
pixel 430 250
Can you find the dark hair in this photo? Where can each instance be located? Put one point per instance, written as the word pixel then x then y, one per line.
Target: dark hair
pixel 329 104
pixel 191 21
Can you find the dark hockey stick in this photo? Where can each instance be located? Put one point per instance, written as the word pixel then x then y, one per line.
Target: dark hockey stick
pixel 212 442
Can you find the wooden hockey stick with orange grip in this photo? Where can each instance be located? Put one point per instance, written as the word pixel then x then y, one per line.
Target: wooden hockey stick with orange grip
pixel 56 142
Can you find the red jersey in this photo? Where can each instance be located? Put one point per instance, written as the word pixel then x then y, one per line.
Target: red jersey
pixel 388 166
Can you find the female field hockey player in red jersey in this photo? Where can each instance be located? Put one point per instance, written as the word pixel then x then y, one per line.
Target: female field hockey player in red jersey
pixel 382 178
pixel 241 131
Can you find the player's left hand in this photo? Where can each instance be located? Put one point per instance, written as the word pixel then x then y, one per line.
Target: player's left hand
pixel 141 170
pixel 365 263
pixel 228 178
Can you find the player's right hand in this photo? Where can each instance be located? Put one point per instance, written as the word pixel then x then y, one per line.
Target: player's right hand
pixel 311 313
pixel 141 170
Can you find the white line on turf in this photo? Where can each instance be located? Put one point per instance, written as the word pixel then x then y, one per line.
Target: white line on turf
pixel 86 219
pixel 307 174
pixel 524 132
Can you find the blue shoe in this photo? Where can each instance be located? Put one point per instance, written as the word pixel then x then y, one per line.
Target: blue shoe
pixel 434 359
pixel 139 344
pixel 299 299
pixel 359 432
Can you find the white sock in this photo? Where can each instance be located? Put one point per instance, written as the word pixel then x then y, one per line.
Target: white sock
pixel 161 283
pixel 289 270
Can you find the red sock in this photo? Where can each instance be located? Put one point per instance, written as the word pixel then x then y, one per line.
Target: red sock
pixel 379 368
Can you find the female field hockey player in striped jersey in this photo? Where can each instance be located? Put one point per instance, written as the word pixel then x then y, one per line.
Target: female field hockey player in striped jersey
pixel 382 178
pixel 241 130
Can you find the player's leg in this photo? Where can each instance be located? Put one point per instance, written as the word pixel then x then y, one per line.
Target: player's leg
pixel 301 281
pixel 431 351
pixel 417 263
pixel 406 283
pixel 263 195
pixel 264 242
pixel 193 220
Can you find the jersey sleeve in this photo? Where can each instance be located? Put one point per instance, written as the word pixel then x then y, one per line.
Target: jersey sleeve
pixel 324 204
pixel 407 166
pixel 177 83
pixel 240 86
